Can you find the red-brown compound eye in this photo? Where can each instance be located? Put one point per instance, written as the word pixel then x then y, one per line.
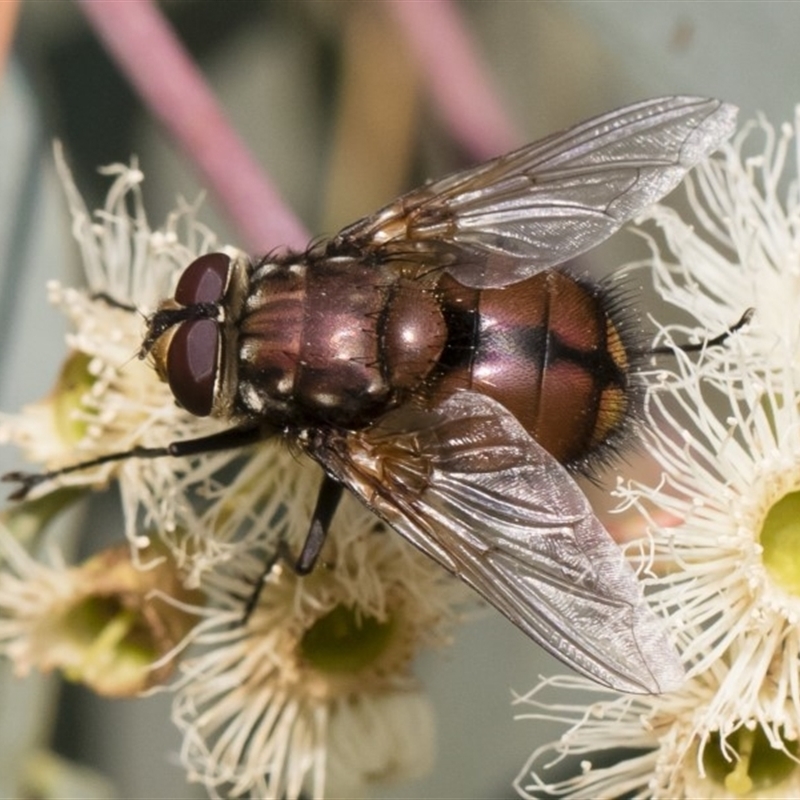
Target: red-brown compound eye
pixel 192 364
pixel 204 280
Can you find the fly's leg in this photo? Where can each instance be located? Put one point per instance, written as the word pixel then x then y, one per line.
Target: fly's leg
pixel 330 493
pixel 232 438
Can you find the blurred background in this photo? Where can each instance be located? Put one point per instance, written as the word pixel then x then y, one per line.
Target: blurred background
pixel 328 97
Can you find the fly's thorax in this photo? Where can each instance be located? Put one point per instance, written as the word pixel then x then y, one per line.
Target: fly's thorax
pixel 309 342
pixel 268 338
pixel 552 349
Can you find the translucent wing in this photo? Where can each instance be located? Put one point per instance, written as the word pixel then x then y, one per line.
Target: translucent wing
pixel 468 486
pixel 539 206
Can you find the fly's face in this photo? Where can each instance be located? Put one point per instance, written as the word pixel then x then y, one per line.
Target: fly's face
pixel 192 338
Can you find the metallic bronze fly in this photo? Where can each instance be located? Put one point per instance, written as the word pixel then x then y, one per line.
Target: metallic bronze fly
pixel 435 363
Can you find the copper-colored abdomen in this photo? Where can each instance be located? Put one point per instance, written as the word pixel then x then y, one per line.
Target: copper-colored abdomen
pixel 546 349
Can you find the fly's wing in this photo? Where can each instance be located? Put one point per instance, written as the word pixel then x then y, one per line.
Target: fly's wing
pixel 468 486
pixel 546 203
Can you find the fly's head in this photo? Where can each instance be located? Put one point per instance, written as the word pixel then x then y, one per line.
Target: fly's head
pixel 192 337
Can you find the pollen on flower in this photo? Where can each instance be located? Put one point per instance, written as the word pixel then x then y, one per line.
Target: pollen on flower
pixel 345 641
pixel 676 754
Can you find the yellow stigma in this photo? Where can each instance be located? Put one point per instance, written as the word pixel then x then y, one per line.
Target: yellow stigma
pixel 753 766
pixel 780 539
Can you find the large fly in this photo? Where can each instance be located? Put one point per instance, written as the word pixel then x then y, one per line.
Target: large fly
pixel 435 360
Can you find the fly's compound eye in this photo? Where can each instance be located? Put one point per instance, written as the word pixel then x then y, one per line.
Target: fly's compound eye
pixel 204 280
pixel 192 362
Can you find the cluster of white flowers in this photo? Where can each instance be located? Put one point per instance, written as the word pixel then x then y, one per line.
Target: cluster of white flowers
pixel 314 692
pixel 724 427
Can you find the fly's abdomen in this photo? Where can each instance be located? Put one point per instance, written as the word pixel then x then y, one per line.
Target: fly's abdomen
pixel 548 350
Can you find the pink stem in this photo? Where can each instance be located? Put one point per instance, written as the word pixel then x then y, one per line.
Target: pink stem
pixel 455 76
pixel 154 61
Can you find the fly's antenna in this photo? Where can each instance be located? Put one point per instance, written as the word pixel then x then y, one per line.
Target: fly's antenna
pixel 166 318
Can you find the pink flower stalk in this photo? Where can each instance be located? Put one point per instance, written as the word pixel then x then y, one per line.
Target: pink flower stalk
pixel 147 51
pixel 454 75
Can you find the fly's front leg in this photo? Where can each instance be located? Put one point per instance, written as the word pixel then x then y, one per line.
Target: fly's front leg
pixel 231 439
